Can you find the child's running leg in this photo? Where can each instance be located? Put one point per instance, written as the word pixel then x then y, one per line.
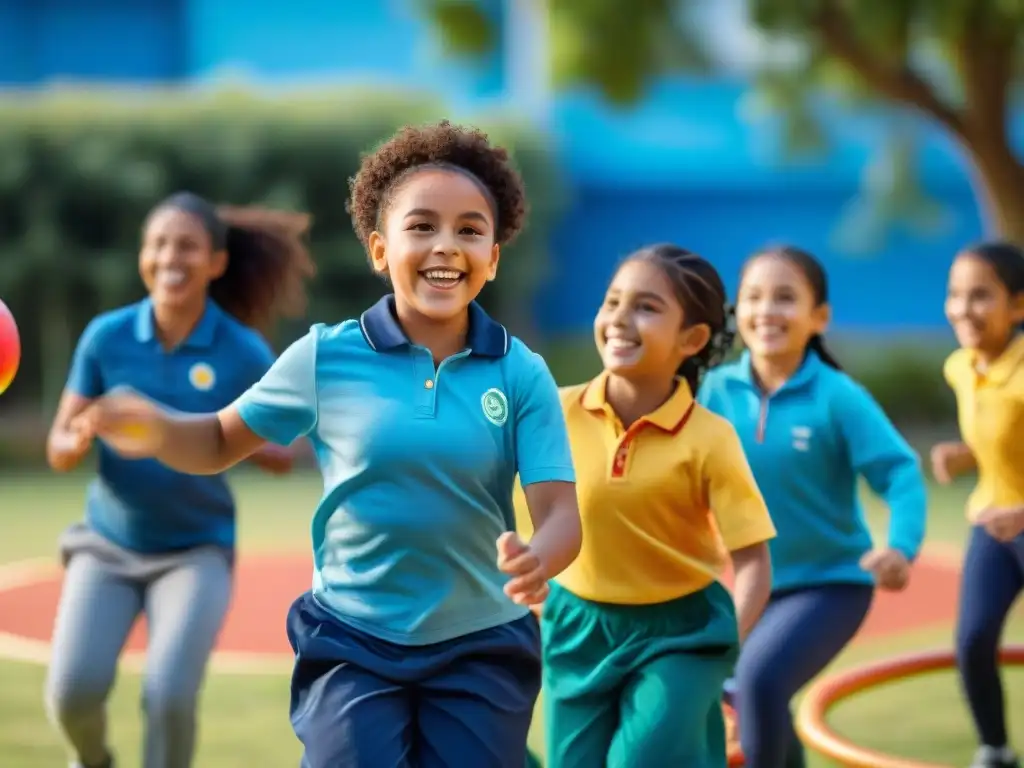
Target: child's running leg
pixel 585 662
pixel 344 710
pixel 96 612
pixel 798 635
pixel 579 725
pixel 992 578
pixel 347 717
pixel 671 713
pixel 185 608
pixel 476 708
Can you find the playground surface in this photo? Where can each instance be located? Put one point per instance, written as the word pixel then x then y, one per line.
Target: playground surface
pixel 253 639
pixel 250 666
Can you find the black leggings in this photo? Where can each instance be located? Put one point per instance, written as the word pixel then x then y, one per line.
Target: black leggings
pixel 993 577
pixel 800 632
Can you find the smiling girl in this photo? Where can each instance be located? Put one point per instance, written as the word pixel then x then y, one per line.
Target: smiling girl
pixel 156 541
pixel 416 645
pixel 810 433
pixel 639 633
pixel 985 307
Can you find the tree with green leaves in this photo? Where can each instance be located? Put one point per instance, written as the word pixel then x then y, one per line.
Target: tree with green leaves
pixel 956 62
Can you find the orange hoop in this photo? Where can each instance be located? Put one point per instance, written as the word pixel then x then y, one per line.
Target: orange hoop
pixel 734 753
pixel 830 690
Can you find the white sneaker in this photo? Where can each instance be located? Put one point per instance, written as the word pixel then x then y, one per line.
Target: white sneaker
pixel 995 757
pixel 108 764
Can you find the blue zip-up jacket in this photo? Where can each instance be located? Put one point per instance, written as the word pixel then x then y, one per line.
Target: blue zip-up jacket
pixel 807 444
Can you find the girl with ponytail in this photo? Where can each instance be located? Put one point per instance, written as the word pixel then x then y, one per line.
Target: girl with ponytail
pixel 810 433
pixel 153 540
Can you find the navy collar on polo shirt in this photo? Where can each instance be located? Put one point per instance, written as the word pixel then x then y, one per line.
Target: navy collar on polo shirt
pixel 382 332
pixel 202 335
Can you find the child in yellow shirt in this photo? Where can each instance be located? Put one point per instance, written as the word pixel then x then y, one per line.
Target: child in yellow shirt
pixel 985 307
pixel 639 634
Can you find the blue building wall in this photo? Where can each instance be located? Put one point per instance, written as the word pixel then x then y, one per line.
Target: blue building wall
pixel 683 166
pixel 109 40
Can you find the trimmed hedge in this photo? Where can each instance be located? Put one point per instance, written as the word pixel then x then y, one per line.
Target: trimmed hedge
pixel 79 172
pixel 904 375
pixel 908 383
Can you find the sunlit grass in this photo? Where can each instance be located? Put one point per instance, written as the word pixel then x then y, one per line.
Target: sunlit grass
pixel 923 718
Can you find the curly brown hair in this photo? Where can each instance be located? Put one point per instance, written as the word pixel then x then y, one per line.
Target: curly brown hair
pixel 438 145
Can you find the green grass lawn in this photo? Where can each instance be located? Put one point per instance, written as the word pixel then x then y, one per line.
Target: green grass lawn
pixel 923 719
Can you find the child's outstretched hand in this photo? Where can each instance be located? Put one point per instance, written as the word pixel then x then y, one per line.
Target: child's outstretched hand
pixel 129 423
pixel 529 582
pixel 890 568
pixel 69 446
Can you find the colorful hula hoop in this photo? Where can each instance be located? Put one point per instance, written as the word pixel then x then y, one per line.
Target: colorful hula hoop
pixel 830 690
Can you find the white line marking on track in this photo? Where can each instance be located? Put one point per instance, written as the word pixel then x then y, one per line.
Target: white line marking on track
pixel 25 573
pixel 13 647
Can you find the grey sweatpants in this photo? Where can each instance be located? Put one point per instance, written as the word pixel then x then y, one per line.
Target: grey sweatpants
pixel 184 596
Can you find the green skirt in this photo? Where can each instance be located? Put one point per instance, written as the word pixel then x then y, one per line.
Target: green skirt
pixel 637 685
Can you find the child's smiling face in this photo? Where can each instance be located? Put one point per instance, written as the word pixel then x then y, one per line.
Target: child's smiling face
pixel 177 261
pixel 777 312
pixel 437 243
pixel 981 310
pixel 640 329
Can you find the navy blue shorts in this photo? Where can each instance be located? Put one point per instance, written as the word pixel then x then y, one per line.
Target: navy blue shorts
pixel 361 702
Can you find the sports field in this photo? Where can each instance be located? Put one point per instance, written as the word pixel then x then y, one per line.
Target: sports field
pixel 244 709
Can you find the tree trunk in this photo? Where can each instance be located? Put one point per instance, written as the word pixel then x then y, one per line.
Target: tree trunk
pixel 999 181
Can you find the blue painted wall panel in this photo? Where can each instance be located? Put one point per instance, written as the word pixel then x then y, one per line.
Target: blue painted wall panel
pixel 17 52
pixel 903 286
pixel 99 40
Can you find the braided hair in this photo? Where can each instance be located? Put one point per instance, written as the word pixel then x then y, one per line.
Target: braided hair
pixel 701 293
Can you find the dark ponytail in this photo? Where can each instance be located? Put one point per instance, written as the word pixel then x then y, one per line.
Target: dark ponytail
pixel 701 293
pixel 815 275
pixel 817 344
pixel 268 262
pixel 268 265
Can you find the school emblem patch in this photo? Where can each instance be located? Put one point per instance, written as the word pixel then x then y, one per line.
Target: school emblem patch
pixel 202 377
pixel 495 406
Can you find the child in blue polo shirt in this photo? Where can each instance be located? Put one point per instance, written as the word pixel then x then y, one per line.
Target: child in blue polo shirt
pixel 156 541
pixel 809 432
pixel 416 645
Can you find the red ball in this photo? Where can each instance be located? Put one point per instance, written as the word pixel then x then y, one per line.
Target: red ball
pixel 10 348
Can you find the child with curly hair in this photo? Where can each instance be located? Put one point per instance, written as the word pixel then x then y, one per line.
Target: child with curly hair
pixel 416 644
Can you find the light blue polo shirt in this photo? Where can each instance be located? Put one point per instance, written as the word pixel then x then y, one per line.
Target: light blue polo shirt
pixel 418 467
pixel 808 444
pixel 141 504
